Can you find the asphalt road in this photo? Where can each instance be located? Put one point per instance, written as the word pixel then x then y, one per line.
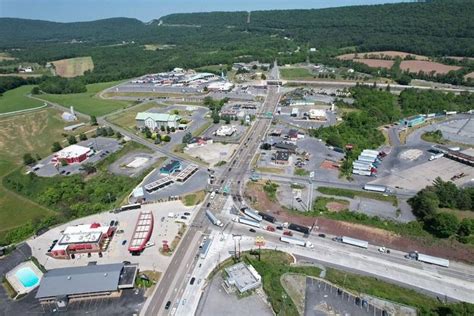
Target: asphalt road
pixel 184 259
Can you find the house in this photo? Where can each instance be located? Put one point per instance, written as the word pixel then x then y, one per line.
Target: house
pixel 282 157
pixel 293 135
pixel 154 121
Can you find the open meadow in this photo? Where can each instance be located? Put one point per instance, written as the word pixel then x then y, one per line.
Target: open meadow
pixel 16 100
pixel 26 133
pixel 73 67
pixel 88 102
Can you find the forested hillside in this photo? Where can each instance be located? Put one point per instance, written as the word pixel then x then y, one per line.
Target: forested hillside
pixel 199 39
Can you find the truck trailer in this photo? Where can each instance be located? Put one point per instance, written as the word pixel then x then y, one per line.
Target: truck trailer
pixel 296 241
pixel 375 188
pixel 214 220
pixel 428 259
pixel 370 152
pixel 247 221
pixel 299 228
pixel 362 167
pixel 267 217
pixel 362 172
pixel 355 242
pixel 252 214
pixel 367 159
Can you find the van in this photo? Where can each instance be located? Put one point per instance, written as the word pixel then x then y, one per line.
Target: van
pixel 213 194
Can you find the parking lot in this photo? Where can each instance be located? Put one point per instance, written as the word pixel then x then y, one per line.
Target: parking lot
pixel 165 228
pixel 102 147
pixel 196 182
pixel 212 153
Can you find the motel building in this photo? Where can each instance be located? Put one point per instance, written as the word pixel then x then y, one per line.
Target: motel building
pixel 85 238
pixel 72 154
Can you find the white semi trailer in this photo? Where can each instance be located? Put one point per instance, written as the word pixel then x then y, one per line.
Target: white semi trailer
pixel 214 219
pixel 296 241
pixel 247 221
pixel 355 242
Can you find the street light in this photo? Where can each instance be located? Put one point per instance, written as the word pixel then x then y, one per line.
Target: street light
pixel 236 238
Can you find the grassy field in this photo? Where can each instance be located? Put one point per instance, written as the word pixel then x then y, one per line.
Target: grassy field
pixel 73 67
pixel 34 133
pixel 353 193
pixel 157 46
pixel 16 99
pixel 127 119
pixel 88 102
pixel 301 172
pixel 6 56
pixel 194 198
pixel 295 73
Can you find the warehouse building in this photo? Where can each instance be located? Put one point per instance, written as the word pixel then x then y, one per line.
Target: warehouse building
pixel 61 285
pixel 154 121
pixel 86 238
pixel 72 154
pixel 243 277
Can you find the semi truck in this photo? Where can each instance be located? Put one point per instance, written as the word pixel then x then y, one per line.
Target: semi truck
pixel 252 214
pixel 214 220
pixel 362 172
pixel 247 221
pixel 375 188
pixel 437 156
pixel 354 242
pixel 296 241
pixel 299 228
pixel 428 259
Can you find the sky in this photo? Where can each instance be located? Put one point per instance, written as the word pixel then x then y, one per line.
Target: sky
pixel 147 10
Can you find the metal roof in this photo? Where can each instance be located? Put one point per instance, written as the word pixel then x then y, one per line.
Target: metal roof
pixel 80 280
pixel 158 117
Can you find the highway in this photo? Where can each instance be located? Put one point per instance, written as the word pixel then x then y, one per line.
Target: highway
pixel 175 277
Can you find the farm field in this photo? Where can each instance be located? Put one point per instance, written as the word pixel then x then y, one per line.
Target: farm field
pixel 426 66
pixel 295 73
pixel 5 56
pixel 34 133
pixel 73 67
pixel 16 99
pixel 88 102
pixel 376 63
pixel 380 55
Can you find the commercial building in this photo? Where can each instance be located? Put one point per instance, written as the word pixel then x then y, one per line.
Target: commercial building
pixel 142 233
pixel 154 121
pixel 220 86
pixel 317 114
pixel 187 173
pixel 225 130
pixel 243 277
pixel 72 154
pixel 92 281
pixel 86 238
pixel 291 148
pixel 282 157
pixel 171 167
pixel 412 121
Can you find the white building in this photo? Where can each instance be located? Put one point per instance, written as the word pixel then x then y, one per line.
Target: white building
pixel 243 277
pixel 317 114
pixel 72 154
pixel 154 121
pixel 220 86
pixel 225 130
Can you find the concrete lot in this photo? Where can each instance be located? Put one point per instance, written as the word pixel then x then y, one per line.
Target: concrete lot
pixel 212 153
pixel 418 177
pixel 235 138
pixel 215 301
pixel 299 121
pixel 102 146
pixel 198 181
pixel 460 130
pixel 122 165
pixel 150 259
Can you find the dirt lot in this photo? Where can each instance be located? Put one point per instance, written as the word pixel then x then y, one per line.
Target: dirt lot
pixel 329 165
pixel 73 67
pixel 381 54
pixel 442 248
pixel 469 75
pixel 376 63
pixel 426 66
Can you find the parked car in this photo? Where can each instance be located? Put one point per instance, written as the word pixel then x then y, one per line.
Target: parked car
pixel 252 230
pixel 124 242
pixel 192 280
pixel 187 213
pixel 184 217
pixel 168 304
pixel 322 235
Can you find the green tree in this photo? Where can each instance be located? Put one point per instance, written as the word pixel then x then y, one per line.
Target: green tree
pixel 28 159
pixel 166 138
pixel 88 168
pixel 148 133
pixel 35 90
pixel 162 128
pixel 263 77
pixel 466 228
pixel 56 147
pixel 173 129
pixel 110 131
pixel 424 204
pixel 444 224
pixel 72 140
pixel 187 138
pixel 93 120
pixel 118 135
pixel 82 137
